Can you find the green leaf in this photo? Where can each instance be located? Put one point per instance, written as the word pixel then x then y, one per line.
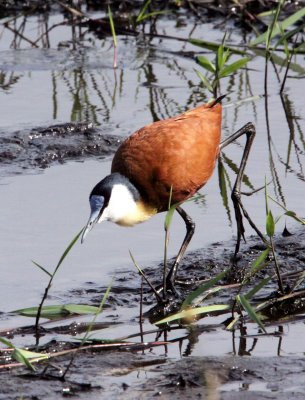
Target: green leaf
pixel 170 212
pixel 81 309
pixel 206 63
pixel 266 197
pixel 270 225
pixel 143 11
pixel 295 67
pixel 58 311
pixel 112 26
pixel 231 68
pixel 222 175
pixel 169 217
pixel 220 58
pixel 17 354
pixel 152 14
pixel 204 80
pixel 31 354
pixel 201 289
pixel 232 323
pixel 286 36
pixel 193 312
pixel 293 215
pixel 298 15
pixel 250 311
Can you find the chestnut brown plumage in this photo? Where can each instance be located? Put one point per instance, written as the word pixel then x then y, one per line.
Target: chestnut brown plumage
pixel 178 153
pixel 174 157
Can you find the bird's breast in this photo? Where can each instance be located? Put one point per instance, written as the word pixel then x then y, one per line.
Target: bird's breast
pixel 142 212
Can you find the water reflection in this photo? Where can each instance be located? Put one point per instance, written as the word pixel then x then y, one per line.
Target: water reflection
pixel 157 76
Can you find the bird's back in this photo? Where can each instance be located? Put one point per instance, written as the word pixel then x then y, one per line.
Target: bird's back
pixel 178 153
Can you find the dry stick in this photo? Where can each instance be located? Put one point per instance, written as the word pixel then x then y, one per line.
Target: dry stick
pixel 74 11
pixel 146 279
pixel 49 30
pixel 141 311
pixel 20 35
pixel 89 347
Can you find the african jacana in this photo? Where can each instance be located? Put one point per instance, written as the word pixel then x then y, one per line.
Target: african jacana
pixel 173 157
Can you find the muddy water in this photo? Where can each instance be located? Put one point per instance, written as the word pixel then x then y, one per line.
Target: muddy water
pixel 41 210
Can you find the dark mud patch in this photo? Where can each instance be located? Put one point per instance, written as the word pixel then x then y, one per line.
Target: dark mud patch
pixel 226 378
pixel 39 148
pixel 137 376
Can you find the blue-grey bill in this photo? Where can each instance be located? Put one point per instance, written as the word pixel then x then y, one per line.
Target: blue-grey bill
pixel 96 204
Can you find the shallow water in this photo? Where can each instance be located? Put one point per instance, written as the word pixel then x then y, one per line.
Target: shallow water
pixel 41 212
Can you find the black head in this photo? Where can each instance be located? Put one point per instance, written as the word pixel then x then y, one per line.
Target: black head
pixel 100 196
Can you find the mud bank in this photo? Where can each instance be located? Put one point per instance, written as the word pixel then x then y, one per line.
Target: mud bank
pixel 39 148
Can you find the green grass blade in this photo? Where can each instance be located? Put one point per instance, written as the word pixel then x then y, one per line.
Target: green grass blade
pixel 222 183
pixel 266 197
pixel 201 289
pixel 42 268
pixel 257 288
pixel 258 262
pixel 143 11
pixel 295 67
pixel 213 46
pixel 66 252
pixel 152 14
pixel 31 354
pixel 220 58
pixel 297 16
pixel 286 36
pixel 193 312
pixel 169 217
pixel 250 311
pixel 112 26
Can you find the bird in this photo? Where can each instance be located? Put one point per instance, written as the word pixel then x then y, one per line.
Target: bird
pixel 165 161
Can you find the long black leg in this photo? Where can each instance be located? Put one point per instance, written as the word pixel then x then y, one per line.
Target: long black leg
pixel 239 209
pixel 190 228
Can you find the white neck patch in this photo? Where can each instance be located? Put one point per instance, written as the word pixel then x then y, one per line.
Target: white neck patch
pixel 120 206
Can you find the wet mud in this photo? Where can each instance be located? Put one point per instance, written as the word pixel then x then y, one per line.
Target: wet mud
pixel 38 148
pixel 222 378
